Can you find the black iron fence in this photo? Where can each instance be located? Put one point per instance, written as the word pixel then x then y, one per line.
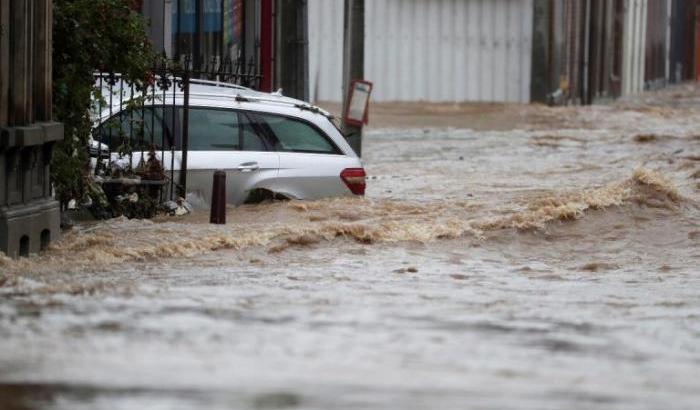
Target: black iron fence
pixel 226 70
pixel 141 130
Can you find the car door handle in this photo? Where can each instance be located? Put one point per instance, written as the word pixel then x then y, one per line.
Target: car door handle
pixel 248 167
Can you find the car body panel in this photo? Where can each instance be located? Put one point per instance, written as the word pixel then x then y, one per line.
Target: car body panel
pixel 245 171
pixel 312 176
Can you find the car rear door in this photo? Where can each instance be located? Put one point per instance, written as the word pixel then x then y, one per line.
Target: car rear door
pixel 226 139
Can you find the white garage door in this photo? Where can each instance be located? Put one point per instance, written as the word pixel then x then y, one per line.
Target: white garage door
pixel 428 50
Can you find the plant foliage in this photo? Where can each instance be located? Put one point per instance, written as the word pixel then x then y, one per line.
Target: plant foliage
pixel 90 35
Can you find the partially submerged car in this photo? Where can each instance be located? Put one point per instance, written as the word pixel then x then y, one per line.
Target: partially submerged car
pixel 268 145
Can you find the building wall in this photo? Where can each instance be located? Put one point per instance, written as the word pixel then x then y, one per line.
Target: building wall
pixel 428 50
pixel 681 64
pixel 612 48
pixel 325 49
pixel 574 49
pixel 656 49
pixel 224 26
pixel 574 32
pixel 605 48
pixel 154 13
pixel 291 57
pixel 633 62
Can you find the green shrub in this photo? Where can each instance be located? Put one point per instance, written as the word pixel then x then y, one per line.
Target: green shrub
pixel 90 35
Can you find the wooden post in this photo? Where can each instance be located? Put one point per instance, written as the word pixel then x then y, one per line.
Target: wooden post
pixel 217 214
pixel 4 61
pixel 20 62
pixel 41 74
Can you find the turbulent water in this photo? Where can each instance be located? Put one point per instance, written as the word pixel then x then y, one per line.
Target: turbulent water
pixel 555 265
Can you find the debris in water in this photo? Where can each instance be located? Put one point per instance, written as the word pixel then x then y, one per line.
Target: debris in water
pixel 410 269
pixel 179 207
pixel 305 239
pixel 169 207
pixel 599 266
pixel 644 138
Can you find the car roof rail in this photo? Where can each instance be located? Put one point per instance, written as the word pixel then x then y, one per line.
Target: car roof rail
pixel 299 105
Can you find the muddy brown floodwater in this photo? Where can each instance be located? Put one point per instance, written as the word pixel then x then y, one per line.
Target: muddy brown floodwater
pixel 550 263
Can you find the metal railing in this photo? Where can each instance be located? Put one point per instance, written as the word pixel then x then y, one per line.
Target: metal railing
pixel 135 123
pixel 224 70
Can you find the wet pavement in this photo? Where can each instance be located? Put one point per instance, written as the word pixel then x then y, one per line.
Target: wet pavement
pixel 550 264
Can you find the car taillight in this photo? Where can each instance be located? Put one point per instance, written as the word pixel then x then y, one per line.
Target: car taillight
pixel 354 178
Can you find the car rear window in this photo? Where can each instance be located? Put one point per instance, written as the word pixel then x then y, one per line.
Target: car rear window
pixel 294 135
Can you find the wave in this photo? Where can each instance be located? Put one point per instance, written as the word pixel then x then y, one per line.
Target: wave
pixel 301 224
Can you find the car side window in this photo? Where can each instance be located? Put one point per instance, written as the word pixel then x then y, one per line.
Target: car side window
pixel 141 128
pixel 293 135
pixel 210 129
pixel 213 129
pixel 250 140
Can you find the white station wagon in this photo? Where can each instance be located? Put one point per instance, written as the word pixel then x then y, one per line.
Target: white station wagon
pixel 268 145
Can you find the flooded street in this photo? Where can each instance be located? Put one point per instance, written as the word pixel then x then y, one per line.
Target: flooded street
pixel 547 258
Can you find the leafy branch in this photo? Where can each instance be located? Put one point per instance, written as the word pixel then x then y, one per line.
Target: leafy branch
pixel 89 36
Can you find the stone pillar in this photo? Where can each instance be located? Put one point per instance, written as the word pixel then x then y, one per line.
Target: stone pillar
pixel 29 216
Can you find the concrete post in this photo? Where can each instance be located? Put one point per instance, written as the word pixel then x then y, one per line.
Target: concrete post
pixel 353 62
